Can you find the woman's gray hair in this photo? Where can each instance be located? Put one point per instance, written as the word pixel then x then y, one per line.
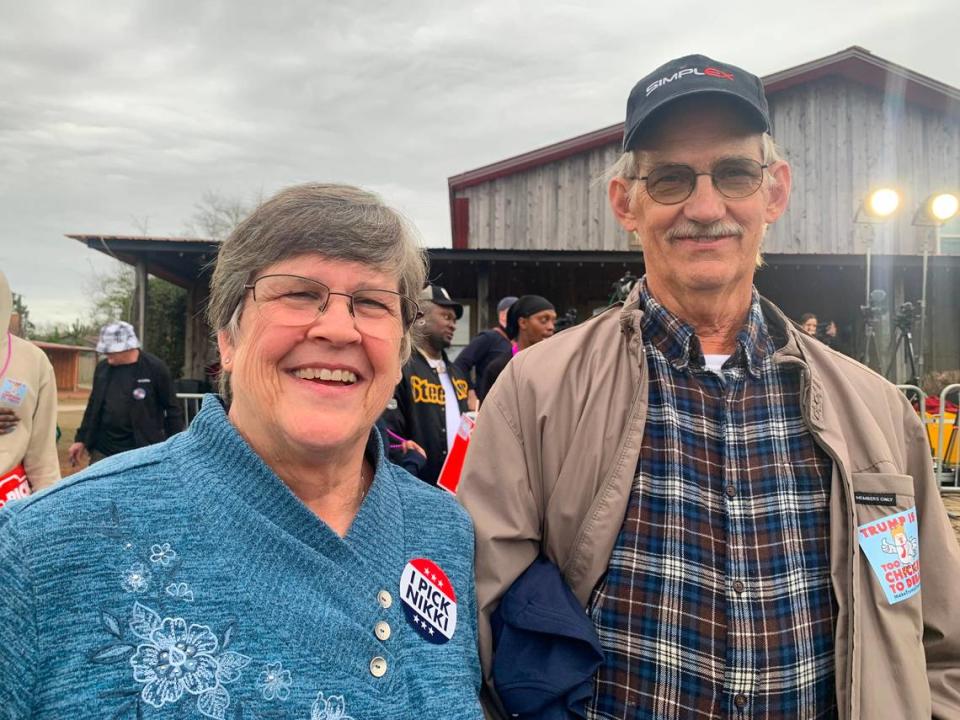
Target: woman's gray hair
pixel 339 222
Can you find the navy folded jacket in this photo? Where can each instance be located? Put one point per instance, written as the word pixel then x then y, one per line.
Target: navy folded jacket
pixel 545 647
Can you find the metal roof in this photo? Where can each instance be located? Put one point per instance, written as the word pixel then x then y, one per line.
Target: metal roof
pixel 175 259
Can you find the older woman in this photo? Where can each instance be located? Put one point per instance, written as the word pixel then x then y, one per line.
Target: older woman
pixel 268 562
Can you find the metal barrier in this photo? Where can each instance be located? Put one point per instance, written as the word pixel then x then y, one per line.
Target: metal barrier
pixel 941 436
pixel 912 391
pixel 908 389
pixel 191 405
pixel 947 469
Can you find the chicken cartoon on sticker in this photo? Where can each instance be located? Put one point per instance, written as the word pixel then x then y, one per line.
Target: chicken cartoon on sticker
pixel 906 549
pixel 891 545
pixel 429 601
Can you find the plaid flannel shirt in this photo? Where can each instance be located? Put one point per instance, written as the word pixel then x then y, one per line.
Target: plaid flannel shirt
pixel 718 601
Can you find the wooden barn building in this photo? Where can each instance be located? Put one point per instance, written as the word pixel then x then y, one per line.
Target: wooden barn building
pixel 847 123
pixel 539 222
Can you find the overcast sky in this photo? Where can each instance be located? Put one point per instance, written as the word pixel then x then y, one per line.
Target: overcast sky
pixel 115 116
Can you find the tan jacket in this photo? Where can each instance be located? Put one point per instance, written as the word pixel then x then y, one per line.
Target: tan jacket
pixel 33 441
pixel 552 462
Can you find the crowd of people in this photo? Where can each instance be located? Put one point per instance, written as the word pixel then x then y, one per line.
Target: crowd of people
pixel 684 507
pixel 424 416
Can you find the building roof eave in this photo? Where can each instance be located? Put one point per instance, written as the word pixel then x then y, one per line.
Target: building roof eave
pixel 164 255
pixel 858 64
pixel 541 156
pixel 853 63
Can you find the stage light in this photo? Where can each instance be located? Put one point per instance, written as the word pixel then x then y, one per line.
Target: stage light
pixel 882 203
pixel 942 206
pixel 936 210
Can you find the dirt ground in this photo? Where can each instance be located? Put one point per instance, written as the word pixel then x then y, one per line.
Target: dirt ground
pixel 69 415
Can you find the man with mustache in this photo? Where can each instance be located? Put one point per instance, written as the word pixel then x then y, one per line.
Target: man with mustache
pixel 708 479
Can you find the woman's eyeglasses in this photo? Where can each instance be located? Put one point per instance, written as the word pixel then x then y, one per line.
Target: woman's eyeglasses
pixel 294 301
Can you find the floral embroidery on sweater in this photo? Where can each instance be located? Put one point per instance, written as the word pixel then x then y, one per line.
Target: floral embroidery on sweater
pixel 274 682
pixel 174 660
pixel 329 708
pixel 136 578
pixel 162 554
pixel 180 590
pixel 171 659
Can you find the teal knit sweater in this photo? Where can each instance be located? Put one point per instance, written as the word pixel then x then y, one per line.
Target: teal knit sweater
pixel 185 580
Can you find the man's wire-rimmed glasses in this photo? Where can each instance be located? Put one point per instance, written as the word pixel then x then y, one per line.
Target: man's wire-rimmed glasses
pixel 734 178
pixel 294 301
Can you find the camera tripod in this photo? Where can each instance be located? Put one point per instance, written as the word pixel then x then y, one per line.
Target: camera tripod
pixel 904 337
pixel 871 351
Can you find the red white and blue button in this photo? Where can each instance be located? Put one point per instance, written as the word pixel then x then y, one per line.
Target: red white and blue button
pixel 429 601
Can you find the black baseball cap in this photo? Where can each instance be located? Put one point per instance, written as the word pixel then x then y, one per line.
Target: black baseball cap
pixel 692 75
pixel 439 296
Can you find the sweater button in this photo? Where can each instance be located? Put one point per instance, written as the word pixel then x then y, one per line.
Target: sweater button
pixel 385 599
pixel 382 630
pixel 378 667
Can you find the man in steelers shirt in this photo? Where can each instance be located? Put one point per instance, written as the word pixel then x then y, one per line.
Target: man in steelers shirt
pixel 432 393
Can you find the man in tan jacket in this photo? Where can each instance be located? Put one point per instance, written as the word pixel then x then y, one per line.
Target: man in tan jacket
pixel 749 518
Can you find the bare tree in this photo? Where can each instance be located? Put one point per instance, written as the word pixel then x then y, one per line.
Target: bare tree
pixel 110 295
pixel 142 224
pixel 215 215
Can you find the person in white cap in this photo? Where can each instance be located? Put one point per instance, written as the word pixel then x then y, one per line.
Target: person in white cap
pixel 132 403
pixel 28 411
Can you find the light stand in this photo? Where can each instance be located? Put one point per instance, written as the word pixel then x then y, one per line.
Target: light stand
pixel 923 298
pixel 934 212
pixel 879 206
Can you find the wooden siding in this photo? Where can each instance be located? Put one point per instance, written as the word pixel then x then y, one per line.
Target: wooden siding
pixel 66 368
pixel 559 205
pixel 67 361
pixel 200 348
pixel 841 138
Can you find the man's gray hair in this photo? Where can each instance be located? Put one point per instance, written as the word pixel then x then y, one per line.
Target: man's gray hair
pixel 629 165
pixel 338 222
